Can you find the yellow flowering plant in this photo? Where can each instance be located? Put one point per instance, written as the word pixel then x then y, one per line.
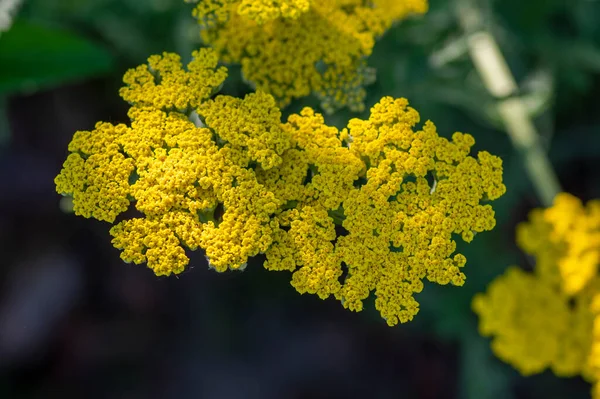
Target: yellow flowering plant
pixel 283 148
pixel 293 48
pixel 373 207
pixel 548 318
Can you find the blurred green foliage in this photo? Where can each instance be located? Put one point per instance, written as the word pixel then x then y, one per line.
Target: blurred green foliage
pixel 552 46
pixel 34 57
pixel 132 29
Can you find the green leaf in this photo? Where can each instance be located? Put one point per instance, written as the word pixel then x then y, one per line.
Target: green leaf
pixel 34 57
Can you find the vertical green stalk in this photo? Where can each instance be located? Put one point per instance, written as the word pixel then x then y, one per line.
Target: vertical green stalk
pixel 499 81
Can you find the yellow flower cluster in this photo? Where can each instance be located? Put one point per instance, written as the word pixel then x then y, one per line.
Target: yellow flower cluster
pixel 399 194
pixel 211 12
pixel 164 84
pixel 177 169
pixel 533 324
pixel 96 173
pixel 293 48
pixel 262 11
pixel 548 318
pixel 374 207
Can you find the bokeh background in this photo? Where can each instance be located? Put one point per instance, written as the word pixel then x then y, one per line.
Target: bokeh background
pixel 76 322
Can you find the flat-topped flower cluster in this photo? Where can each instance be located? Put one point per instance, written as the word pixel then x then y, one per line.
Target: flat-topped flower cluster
pixel 293 48
pixel 550 318
pixel 373 207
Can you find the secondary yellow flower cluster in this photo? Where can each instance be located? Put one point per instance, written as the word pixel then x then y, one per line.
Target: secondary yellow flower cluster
pixel 293 48
pixel 211 12
pixel 374 207
pixel 548 318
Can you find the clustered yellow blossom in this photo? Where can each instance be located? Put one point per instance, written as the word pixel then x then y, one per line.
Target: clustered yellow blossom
pixel 371 208
pixel 211 12
pixel 548 318
pixel 293 48
pixel 534 325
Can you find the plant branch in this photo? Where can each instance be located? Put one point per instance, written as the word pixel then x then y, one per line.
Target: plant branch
pixel 499 81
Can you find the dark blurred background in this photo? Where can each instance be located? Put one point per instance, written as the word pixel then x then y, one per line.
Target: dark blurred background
pixel 77 322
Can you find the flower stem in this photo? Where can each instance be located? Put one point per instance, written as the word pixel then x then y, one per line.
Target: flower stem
pixel 499 81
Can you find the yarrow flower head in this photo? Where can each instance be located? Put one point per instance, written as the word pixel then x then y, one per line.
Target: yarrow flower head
pixel 549 318
pixel 572 238
pixel 374 207
pixel 293 48
pixel 534 325
pixel 211 12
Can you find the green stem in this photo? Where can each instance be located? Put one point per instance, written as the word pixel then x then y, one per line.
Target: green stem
pixel 499 81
